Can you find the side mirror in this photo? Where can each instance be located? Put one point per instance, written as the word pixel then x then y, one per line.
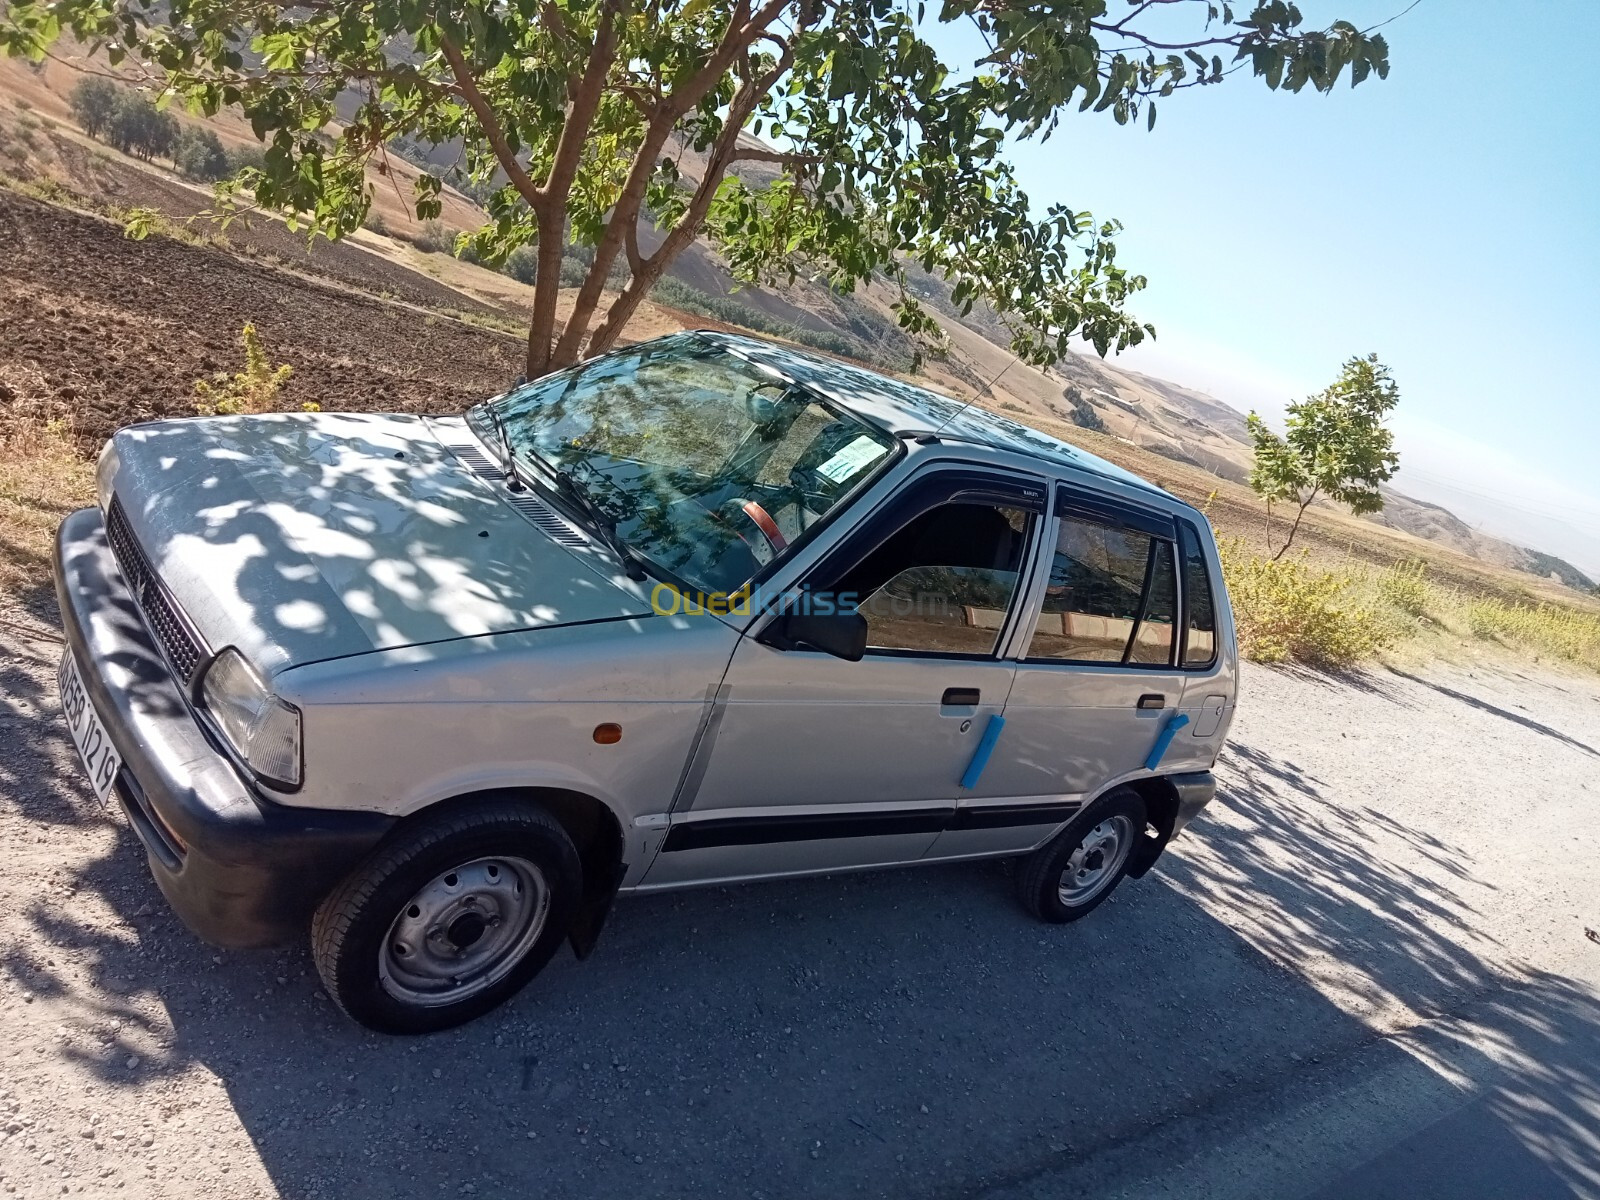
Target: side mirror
pixel 843 635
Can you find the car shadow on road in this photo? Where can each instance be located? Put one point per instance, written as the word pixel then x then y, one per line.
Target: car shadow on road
pixel 893 1033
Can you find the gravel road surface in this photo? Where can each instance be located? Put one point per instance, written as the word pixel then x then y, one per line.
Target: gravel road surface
pixel 1363 972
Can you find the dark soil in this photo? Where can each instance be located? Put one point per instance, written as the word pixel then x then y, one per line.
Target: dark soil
pixel 112 181
pixel 111 331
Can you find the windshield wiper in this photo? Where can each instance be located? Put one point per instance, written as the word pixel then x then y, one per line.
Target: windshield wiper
pixel 514 479
pixel 569 489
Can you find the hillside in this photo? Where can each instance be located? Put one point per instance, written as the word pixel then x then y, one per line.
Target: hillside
pixel 1081 392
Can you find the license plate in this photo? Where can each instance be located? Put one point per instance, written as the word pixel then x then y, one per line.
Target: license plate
pixel 100 758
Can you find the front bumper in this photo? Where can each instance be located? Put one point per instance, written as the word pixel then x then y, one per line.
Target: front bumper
pixel 241 870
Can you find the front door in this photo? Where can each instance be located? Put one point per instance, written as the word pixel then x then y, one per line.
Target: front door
pixel 812 763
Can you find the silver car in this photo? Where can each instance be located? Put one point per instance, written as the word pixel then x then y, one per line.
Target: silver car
pixel 700 611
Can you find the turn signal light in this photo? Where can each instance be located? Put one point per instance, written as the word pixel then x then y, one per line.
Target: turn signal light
pixel 608 734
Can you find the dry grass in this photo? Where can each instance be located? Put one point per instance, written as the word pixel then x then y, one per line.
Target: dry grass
pixel 1293 611
pixel 42 479
pixel 1537 629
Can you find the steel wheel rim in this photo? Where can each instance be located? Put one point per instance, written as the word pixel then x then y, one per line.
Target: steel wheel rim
pixel 1095 862
pixel 464 931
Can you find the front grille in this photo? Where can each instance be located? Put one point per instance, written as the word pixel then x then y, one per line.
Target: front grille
pixel 182 646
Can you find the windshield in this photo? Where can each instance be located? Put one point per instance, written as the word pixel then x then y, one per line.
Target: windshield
pixel 710 468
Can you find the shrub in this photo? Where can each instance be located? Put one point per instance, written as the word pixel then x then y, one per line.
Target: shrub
pixel 1404 586
pixel 434 237
pixel 1285 610
pixel 375 222
pixel 252 390
pixel 241 158
pixel 198 154
pixel 522 264
pixel 573 271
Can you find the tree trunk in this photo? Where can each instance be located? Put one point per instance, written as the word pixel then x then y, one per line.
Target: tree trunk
pixel 1293 529
pixel 626 304
pixel 617 232
pixel 546 291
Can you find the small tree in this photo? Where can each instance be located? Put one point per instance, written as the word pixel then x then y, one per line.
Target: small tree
pixel 93 102
pixel 1336 446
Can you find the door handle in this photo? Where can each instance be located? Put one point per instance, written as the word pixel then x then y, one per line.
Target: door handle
pixel 1151 701
pixel 959 697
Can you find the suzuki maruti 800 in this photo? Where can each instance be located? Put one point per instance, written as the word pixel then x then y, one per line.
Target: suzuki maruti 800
pixel 700 611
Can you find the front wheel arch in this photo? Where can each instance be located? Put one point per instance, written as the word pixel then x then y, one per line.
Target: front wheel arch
pixel 595 829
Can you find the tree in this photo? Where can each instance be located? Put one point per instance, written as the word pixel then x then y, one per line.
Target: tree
pixel 93 101
pixel 1336 446
pixel 824 137
pixel 138 128
pixel 198 153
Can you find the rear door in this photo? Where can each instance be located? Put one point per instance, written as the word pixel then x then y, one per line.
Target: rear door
pixel 1098 675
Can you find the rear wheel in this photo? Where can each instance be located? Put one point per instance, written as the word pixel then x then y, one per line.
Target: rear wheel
pixel 1073 873
pixel 449 917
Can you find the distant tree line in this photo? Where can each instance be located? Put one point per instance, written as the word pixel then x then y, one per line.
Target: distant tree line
pixel 127 120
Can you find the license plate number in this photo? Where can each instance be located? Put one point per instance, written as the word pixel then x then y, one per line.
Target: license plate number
pixel 100 758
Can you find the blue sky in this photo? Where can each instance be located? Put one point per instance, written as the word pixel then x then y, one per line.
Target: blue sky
pixel 1447 218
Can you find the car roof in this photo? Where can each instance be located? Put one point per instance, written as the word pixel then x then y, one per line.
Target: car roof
pixel 905 409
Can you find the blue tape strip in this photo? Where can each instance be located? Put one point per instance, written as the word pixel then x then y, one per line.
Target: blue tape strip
pixel 980 756
pixel 1178 721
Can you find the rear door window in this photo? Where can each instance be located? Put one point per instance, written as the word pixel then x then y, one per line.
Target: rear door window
pixel 1111 597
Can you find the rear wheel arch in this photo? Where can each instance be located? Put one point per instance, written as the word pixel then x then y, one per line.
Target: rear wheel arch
pixel 1161 814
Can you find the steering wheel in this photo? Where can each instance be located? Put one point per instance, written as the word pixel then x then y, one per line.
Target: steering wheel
pixel 739 512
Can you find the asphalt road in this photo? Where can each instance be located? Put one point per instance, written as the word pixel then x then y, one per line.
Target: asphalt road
pixel 1363 973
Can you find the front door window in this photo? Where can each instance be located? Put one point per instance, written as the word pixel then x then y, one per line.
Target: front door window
pixel 943 583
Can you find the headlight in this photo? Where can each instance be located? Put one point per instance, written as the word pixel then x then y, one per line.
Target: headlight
pixel 105 472
pixel 263 729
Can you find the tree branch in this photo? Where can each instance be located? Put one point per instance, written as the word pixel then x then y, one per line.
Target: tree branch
pixel 779 157
pixel 490 124
pixel 586 97
pixel 680 235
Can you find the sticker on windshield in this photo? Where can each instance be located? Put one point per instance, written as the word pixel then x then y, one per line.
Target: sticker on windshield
pixel 851 458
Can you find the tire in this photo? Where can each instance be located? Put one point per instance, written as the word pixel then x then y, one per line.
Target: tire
pixel 1109 828
pixel 450 916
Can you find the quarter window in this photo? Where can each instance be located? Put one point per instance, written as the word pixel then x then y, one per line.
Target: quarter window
pixel 1111 597
pixel 943 583
pixel 1200 632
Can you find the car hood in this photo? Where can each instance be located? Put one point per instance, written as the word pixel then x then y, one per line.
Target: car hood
pixel 306 536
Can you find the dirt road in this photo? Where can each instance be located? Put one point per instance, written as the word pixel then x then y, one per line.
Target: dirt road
pixel 1370 955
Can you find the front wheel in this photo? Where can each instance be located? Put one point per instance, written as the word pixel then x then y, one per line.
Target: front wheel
pixel 449 917
pixel 1072 874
